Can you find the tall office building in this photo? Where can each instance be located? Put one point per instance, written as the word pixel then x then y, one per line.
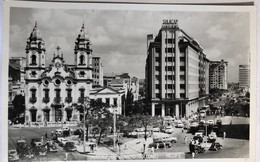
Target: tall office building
pixel 97 73
pixel 244 76
pixel 218 71
pixel 176 72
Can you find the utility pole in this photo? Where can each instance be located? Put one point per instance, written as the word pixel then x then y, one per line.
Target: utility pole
pixel 85 106
pixel 114 142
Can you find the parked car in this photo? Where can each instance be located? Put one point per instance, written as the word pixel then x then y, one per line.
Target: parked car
pixel 215 146
pixel 169 130
pixel 198 136
pixel 70 146
pixel 58 131
pixel 160 144
pixel 196 148
pixel 168 118
pixel 36 142
pixel 167 139
pixel 212 137
pixel 210 122
pixel 21 147
pixel 180 124
pixel 62 141
pixel 13 155
pixel 29 153
pixel 156 129
pixel 202 113
pixel 40 150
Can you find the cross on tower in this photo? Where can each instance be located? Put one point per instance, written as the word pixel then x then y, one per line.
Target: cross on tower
pixel 58 49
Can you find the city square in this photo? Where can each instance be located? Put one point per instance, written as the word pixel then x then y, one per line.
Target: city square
pixel 93 91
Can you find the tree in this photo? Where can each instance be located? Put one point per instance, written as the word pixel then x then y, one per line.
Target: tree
pixel 18 110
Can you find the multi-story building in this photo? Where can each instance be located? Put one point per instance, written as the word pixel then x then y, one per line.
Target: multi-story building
pixel 16 80
pixel 244 76
pixel 176 72
pixel 53 93
pixel 97 73
pixel 218 74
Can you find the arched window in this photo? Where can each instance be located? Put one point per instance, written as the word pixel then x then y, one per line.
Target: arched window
pixel 33 61
pixel 81 60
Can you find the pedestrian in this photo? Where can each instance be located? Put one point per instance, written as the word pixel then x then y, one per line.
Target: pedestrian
pixel 46 135
pixel 152 150
pixel 193 155
pixel 182 130
pixel 224 135
pixel 185 139
pixel 230 122
pixel 52 133
pixel 157 146
pixel 66 156
pixel 42 139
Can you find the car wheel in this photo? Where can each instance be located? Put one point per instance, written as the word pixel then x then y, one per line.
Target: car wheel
pixel 196 151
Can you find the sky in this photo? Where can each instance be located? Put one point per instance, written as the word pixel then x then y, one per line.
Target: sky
pixel 119 37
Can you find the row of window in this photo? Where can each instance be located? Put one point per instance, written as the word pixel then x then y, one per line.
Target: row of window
pixel 170 95
pixel 170 59
pixel 170 68
pixel 169 86
pixel 57 82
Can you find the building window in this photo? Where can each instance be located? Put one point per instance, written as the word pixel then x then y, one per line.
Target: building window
pixel 182 59
pixel 157 59
pixel 82 60
pixel 82 93
pixel 157 68
pixel 108 101
pixel 182 68
pixel 157 50
pixel 68 98
pixel 169 68
pixel 157 77
pixel 157 86
pixel 115 101
pixel 169 59
pixel 157 95
pixel 169 50
pixel 169 95
pixel 33 60
pixel 182 86
pixel 169 41
pixel 182 95
pixel 169 77
pixel 33 98
pixel 168 86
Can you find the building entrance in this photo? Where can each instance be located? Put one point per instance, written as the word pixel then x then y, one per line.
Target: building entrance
pixel 33 115
pixel 58 114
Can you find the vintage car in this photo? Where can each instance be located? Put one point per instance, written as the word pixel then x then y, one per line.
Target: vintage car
pixel 160 144
pixel 36 142
pixel 40 150
pixel 215 146
pixel 21 147
pixel 212 137
pixel 169 130
pixel 196 148
pixel 13 155
pixel 70 146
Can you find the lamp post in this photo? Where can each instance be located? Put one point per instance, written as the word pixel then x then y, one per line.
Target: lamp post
pixel 114 126
pixel 86 104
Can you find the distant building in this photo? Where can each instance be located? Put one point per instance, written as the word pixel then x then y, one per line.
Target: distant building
pixel 244 76
pixel 176 72
pixel 218 74
pixel 97 73
pixel 16 80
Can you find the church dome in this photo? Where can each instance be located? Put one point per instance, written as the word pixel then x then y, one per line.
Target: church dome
pixel 35 35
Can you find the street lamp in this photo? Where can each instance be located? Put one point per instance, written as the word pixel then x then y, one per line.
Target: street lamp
pixel 85 106
pixel 114 125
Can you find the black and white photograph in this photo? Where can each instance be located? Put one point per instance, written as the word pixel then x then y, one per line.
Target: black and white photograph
pixel 130 82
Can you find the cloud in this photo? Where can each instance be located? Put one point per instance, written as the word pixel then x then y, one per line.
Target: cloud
pixel 119 37
pixel 217 32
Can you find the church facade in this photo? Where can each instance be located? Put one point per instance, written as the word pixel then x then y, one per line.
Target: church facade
pixel 52 93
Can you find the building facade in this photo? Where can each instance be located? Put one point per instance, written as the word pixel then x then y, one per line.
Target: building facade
pixel 176 72
pixel 218 71
pixel 53 93
pixel 97 73
pixel 244 76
